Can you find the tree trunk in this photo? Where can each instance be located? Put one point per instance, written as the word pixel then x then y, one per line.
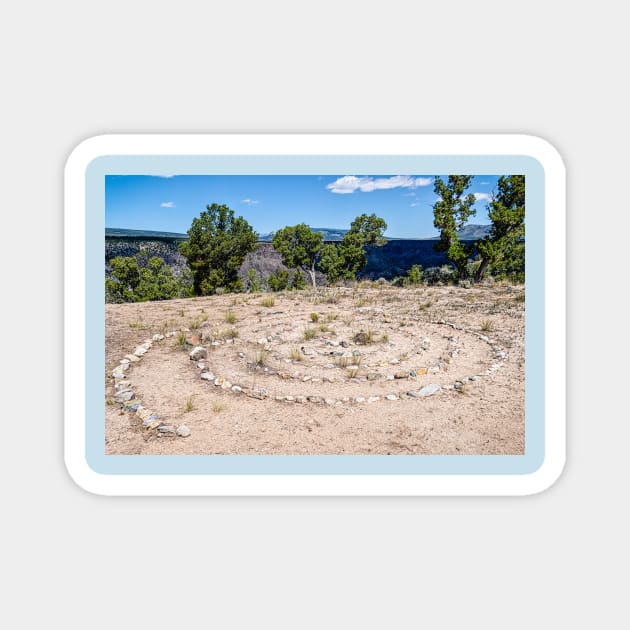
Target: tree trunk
pixel 482 269
pixel 311 273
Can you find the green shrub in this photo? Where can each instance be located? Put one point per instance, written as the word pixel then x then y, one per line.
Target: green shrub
pixel 279 280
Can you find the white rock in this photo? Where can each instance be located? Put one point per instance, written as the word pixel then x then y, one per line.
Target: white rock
pixel 391 397
pixel 429 390
pixel 198 352
pixel 207 376
pixel 183 430
pixel 132 358
pixel 372 399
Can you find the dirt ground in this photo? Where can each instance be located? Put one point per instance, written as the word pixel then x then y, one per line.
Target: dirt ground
pixel 344 348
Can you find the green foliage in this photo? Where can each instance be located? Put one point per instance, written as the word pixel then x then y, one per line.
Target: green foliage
pixel 140 279
pixel 332 263
pixel 299 247
pixel 345 260
pixel 297 281
pixel 253 282
pixel 216 247
pixel 414 275
pixel 503 250
pixel 450 214
pixel 371 229
pixel 278 280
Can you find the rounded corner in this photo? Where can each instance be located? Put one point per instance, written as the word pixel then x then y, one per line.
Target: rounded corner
pixel 546 476
pixel 84 476
pixel 546 153
pixel 85 152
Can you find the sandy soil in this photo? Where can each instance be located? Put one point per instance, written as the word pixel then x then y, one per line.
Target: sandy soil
pixel 411 338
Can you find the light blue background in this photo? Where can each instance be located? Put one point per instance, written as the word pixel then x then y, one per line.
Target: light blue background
pixel 314 464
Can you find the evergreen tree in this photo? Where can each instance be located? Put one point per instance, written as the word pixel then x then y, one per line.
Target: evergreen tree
pixel 216 247
pixel 345 260
pixel 450 214
pixel 503 249
pixel 299 247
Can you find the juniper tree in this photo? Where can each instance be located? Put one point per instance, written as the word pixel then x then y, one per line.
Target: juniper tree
pixel 450 213
pixel 299 247
pixel 503 247
pixel 216 248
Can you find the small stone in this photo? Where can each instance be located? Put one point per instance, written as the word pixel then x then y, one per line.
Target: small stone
pixel 458 385
pixel 124 396
pixel 373 376
pixel 150 420
pixel 207 376
pixel 143 413
pixel 124 361
pixel 154 424
pixel 167 429
pixel 157 337
pixel 389 377
pixel 122 385
pixel 140 351
pixel 329 366
pixel 391 397
pixel 330 401
pixel 429 390
pixel 356 353
pixel 306 378
pixel 218 381
pixel 426 343
pixel 413 394
pixel 372 399
pixel 315 399
pixel 226 385
pixel 262 341
pixel 359 399
pixel 421 371
pixel 134 407
pixel 132 358
pixel 198 352
pixel 344 344
pixel 474 378
pixel 401 374
pixel 183 430
pixel 237 388
pixel 300 399
pixel 289 399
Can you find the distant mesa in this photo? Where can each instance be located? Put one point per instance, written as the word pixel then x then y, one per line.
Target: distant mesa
pixel 471 232
pixel 144 234
pixel 329 234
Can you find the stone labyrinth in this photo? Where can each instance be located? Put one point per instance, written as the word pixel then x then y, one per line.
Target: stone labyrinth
pixel 349 356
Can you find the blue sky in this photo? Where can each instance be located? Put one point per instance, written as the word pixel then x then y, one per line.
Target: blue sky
pixel 270 202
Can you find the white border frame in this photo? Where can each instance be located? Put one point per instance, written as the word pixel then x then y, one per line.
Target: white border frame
pixel 315 485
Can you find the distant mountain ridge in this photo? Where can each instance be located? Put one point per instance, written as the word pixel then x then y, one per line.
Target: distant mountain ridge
pixel 471 232
pixel 126 233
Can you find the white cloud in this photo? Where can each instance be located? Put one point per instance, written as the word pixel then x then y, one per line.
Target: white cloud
pixel 417 203
pixel 483 196
pixel 168 204
pixel 349 183
pixel 250 202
